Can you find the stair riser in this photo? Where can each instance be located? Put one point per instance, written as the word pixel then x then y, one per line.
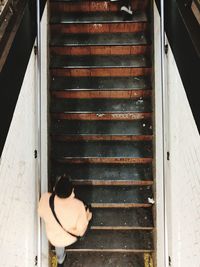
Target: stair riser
pixel 94 6
pixel 101 50
pixel 134 94
pixel 103 72
pixel 99 28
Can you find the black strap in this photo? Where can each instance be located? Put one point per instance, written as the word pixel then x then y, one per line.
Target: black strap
pixel 51 204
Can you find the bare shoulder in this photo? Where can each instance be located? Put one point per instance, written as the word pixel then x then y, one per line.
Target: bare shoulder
pixel 45 197
pixel 78 203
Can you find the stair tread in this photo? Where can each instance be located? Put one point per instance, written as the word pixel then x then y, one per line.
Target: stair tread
pixel 109 240
pixel 101 105
pixel 96 17
pixel 113 194
pixel 71 127
pixel 112 172
pixel 130 217
pixel 99 61
pixel 105 259
pixel 98 39
pixel 102 149
pixel 100 83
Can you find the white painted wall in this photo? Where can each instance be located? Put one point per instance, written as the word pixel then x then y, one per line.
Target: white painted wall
pixel 183 169
pixel 17 181
pixel 18 198
pixel 184 180
pixel 44 124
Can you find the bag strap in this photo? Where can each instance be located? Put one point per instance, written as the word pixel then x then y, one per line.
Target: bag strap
pixel 51 204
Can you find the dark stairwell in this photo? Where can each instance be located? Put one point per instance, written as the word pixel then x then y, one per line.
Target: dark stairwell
pixel 101 126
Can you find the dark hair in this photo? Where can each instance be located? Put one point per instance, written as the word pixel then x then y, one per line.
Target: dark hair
pixel 63 187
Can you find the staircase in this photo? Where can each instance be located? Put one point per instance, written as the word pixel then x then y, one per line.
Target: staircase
pixel 101 126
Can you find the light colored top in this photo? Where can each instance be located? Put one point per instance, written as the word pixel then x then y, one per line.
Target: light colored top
pixel 71 214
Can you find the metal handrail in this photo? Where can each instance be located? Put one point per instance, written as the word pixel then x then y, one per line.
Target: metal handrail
pixel 4 7
pixel 164 128
pixel 39 169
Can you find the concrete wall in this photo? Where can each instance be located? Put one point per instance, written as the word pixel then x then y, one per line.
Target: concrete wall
pixel 18 171
pixel 182 170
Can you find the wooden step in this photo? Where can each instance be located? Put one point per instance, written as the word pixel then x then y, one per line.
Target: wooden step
pixel 107 128
pixel 122 219
pixel 101 87
pixel 100 83
pixel 125 94
pixel 102 151
pixel 98 27
pixel 108 259
pixel 100 105
pixel 102 39
pixel 104 174
pixel 111 196
pixel 102 50
pixel 107 240
pixel 69 130
pixel 95 17
pixel 93 6
pixel 99 61
pixel 100 44
pixel 101 72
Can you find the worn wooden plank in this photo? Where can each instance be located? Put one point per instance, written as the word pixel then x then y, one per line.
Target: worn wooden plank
pixel 101 83
pixel 102 39
pixel 101 50
pixel 99 27
pixel 104 259
pixel 93 6
pixel 116 128
pixel 114 194
pixel 103 94
pixel 134 218
pixel 106 105
pixel 102 240
pixel 101 72
pixel 99 61
pixel 104 149
pixel 95 17
pixel 104 172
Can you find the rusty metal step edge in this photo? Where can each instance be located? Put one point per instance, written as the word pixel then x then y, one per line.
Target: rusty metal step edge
pixel 112 182
pixel 95 18
pixel 120 205
pixel 102 116
pixel 119 228
pixel 110 250
pixel 88 137
pixel 105 160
